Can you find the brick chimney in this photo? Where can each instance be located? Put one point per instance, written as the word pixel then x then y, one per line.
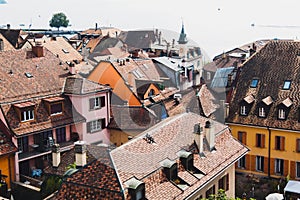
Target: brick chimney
pixel 210 135
pixel 198 137
pixel 8 27
pixel 80 153
pixel 55 155
pixel 38 49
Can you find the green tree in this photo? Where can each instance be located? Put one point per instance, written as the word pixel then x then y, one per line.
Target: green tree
pixel 59 20
pixel 221 196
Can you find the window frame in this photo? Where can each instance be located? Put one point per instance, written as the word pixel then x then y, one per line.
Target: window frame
pixel 223 183
pixel 25 113
pixel 298 145
pixel 259 163
pixel 56 103
pixel 260 140
pixel 96 103
pixel 95 125
pixel 242 162
pixel 279 166
pixel 243 110
pixel 297 169
pixel 286 84
pixel 242 137
pixel 261 112
pixel 279 143
pixel 281 113
pixel 254 83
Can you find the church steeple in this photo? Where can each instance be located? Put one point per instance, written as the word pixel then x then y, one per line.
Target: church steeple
pixel 182 36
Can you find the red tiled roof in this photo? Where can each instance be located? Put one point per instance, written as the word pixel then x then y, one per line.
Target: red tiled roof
pixel 47 75
pixel 96 180
pixel 6 145
pixel 142 159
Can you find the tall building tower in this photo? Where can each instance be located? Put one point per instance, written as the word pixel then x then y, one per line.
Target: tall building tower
pixel 182 43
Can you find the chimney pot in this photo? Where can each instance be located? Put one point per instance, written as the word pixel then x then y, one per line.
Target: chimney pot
pixel 80 153
pixel 55 155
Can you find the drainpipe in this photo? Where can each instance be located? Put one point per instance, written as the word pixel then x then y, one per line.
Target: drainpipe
pixel 269 153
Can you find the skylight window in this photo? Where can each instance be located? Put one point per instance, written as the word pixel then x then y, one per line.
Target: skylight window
pixel 254 83
pixel 286 85
pixel 65 50
pixel 28 75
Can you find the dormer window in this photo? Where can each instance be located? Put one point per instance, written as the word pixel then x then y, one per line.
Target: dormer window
pixel 97 103
pixel 261 112
pixel 170 169
pixel 243 110
pixel 254 83
pixel 136 189
pixel 27 114
pixel 286 85
pixel 25 111
pixel 54 105
pixel 281 113
pixel 56 108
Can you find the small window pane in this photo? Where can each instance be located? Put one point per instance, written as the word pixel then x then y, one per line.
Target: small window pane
pixel 286 85
pixel 254 83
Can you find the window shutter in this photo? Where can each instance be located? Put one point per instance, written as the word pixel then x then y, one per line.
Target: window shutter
pixel 298 145
pixel 272 166
pixel 293 170
pixel 92 102
pixel 88 127
pixel 244 138
pixel 257 138
pixel 263 140
pixel 227 182
pixel 265 164
pixel 282 139
pixel 252 162
pixel 285 167
pixel 102 99
pixel 103 123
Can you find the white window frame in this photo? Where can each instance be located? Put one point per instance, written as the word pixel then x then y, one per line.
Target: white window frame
pixel 281 113
pixel 258 164
pixel 240 161
pixel 243 110
pixel 208 75
pixel 27 115
pixel 95 125
pixel 261 112
pixel 279 166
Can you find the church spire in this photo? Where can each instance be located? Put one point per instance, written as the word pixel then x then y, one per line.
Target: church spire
pixel 182 36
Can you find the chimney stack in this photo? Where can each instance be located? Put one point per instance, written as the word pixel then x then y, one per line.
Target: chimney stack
pixel 38 49
pixel 210 135
pixel 8 27
pixel 159 38
pixel 1 45
pixel 96 26
pixel 55 155
pixel 80 153
pixel 198 138
pixel 72 68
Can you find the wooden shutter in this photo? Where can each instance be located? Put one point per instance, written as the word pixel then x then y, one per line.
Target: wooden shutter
pixel 103 123
pixel 92 103
pixel 272 166
pixel 247 162
pixel 257 138
pixel 293 170
pixel 282 140
pixel 102 99
pixel 298 145
pixel 227 182
pixel 265 165
pixel 285 167
pixel 263 140
pixel 244 138
pixel 88 127
pixel 252 162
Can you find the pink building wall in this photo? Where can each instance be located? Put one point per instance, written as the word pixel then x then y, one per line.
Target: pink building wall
pixel 81 104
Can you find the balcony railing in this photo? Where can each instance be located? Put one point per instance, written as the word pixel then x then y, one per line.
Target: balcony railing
pixel 35 151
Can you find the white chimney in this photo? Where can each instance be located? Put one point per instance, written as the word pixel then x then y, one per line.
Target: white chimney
pixel 198 137
pixel 80 153
pixel 210 134
pixel 55 155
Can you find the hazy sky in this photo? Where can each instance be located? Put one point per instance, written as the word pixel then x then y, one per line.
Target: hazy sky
pixel 216 25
